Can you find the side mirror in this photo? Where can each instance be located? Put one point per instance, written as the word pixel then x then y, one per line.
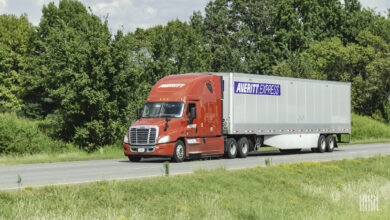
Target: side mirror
pixel 139 113
pixel 127 119
pixel 193 112
pixel 167 119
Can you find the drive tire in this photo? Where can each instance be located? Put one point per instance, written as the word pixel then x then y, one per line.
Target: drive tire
pixel 330 143
pixel 321 147
pixel 243 147
pixel 231 148
pixel 135 158
pixel 179 153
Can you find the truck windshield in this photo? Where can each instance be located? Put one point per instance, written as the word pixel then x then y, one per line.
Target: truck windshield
pixel 163 109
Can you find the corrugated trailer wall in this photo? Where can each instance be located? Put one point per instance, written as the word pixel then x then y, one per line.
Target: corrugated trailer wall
pixel 269 105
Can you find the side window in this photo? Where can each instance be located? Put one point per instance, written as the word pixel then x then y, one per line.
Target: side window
pixel 208 85
pixel 188 112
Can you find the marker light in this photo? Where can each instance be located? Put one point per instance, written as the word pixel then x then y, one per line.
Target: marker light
pixel 126 139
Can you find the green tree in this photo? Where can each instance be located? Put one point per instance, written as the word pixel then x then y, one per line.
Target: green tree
pixel 239 34
pixel 365 64
pixel 16 45
pixel 85 73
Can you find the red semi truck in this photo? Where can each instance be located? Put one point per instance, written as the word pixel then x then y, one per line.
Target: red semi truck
pixel 231 114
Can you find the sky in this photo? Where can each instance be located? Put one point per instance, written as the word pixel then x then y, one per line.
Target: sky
pixel 127 15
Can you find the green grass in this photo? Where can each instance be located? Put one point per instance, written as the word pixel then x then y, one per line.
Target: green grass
pixel 45 149
pixel 365 129
pixel 307 190
pixel 21 136
pixel 25 140
pixel 369 141
pixel 109 152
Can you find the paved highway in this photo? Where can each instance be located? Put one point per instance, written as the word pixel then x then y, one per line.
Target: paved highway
pixel 89 171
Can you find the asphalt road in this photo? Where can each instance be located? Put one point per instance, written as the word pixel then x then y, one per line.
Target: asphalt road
pixel 95 170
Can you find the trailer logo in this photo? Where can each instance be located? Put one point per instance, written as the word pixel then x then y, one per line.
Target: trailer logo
pixel 256 88
pixel 171 85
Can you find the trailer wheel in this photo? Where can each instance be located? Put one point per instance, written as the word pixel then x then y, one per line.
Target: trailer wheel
pixel 179 152
pixel 243 147
pixel 330 143
pixel 134 158
pixel 231 148
pixel 321 144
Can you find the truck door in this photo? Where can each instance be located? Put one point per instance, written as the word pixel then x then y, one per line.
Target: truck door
pixel 195 145
pixel 192 123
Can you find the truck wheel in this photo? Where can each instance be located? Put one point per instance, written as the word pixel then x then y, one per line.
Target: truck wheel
pixel 321 144
pixel 231 148
pixel 330 143
pixel 243 147
pixel 179 153
pixel 134 158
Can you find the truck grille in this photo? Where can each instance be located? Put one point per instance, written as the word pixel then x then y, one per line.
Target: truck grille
pixel 143 135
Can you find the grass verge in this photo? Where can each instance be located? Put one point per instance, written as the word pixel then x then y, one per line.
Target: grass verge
pixel 368 141
pixel 109 152
pixel 366 129
pixel 304 190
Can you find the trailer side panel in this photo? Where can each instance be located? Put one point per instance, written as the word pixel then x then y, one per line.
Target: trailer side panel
pixel 268 105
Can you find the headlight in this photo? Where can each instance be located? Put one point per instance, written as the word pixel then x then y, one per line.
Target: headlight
pixel 126 139
pixel 163 140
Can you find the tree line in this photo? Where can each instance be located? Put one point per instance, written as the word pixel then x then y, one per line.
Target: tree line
pixel 71 70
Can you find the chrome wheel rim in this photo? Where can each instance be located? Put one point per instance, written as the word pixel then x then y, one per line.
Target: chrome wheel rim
pixel 180 151
pixel 323 145
pixel 331 144
pixel 233 149
pixel 245 148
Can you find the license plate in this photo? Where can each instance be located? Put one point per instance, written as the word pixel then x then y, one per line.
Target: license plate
pixel 141 150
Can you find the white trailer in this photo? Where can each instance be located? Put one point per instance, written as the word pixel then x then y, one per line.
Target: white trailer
pixel 287 113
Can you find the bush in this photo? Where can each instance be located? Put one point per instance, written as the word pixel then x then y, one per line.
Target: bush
pixel 364 127
pixel 22 136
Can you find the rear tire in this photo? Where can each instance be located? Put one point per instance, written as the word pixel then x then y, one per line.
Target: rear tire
pixel 243 147
pixel 321 147
pixel 231 148
pixel 179 153
pixel 135 158
pixel 330 143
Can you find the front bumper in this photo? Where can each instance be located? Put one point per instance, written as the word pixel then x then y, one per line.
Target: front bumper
pixel 159 150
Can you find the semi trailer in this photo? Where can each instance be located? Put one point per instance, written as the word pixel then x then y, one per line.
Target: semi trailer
pixel 231 114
